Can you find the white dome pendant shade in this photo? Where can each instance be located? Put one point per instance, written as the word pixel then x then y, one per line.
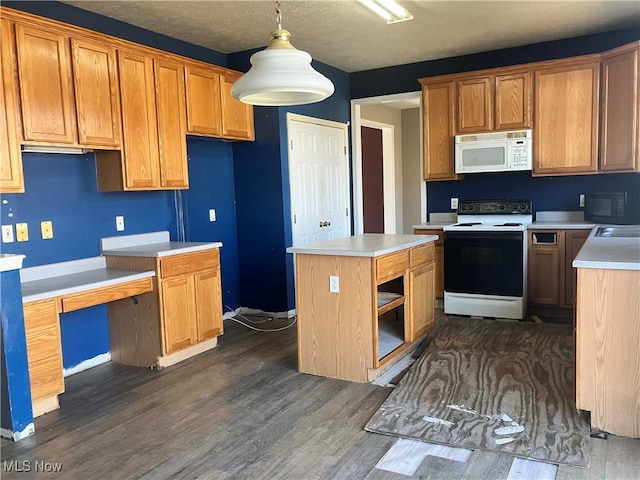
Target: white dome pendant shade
pixel 280 75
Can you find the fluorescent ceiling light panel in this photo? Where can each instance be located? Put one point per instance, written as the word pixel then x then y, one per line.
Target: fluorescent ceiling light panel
pixel 390 10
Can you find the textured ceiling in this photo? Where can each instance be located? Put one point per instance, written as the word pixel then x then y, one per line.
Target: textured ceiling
pixel 346 35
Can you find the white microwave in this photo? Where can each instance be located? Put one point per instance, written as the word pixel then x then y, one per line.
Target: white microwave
pixel 493 152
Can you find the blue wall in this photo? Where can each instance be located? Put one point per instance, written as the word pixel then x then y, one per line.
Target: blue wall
pixel 262 193
pixel 63 189
pixel 559 193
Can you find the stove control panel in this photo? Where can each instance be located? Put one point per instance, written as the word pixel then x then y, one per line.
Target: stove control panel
pixel 494 207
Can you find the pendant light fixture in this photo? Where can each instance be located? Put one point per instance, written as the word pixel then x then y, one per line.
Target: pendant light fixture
pixel 281 75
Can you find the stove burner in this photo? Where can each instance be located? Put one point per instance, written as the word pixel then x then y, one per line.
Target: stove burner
pixel 467 224
pixel 507 225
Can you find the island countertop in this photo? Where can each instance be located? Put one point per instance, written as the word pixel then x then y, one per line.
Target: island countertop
pixel 614 253
pixel 364 245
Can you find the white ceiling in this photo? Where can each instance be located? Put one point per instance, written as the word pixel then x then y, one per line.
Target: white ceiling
pixel 346 35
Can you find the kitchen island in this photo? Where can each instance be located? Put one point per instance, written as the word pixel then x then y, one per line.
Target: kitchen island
pixel 362 300
pixel 608 330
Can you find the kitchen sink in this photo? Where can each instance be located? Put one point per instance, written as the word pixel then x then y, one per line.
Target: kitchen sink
pixel 627 231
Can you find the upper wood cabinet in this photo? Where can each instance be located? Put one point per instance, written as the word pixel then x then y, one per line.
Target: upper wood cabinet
pixel 513 99
pixel 494 102
pixel 211 109
pixel 96 93
pixel 620 113
pixel 77 105
pixel 172 135
pixel 566 117
pixel 153 126
pixel 438 104
pixel 237 117
pixel 11 177
pixel 204 112
pixel 46 87
pixel 141 154
pixel 475 105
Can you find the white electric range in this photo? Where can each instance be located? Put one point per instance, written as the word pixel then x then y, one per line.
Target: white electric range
pixel 485 259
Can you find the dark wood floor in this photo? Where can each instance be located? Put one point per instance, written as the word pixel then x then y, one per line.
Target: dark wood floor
pixel 242 411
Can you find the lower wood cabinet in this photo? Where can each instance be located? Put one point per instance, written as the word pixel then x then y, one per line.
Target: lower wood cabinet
pixel 180 318
pixel 551 278
pixel 44 352
pixel 439 259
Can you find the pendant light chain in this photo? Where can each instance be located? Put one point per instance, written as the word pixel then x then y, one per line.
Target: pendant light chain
pixel 278 15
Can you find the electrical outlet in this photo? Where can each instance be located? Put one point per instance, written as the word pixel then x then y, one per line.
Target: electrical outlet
pixel 46 228
pixel 212 214
pixel 334 284
pixel 7 233
pixel 119 223
pixel 582 199
pixel 22 232
pixel 454 203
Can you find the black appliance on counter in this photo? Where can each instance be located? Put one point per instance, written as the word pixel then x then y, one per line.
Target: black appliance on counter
pixel 620 208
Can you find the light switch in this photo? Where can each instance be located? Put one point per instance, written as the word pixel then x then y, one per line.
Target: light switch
pixel 22 232
pixel 454 203
pixel 46 229
pixel 212 214
pixel 119 223
pixel 7 233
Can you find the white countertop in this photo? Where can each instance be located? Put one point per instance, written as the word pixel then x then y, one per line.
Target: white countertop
pixel 10 261
pixel 365 245
pixel 154 244
pixel 613 253
pixel 65 278
pixel 561 225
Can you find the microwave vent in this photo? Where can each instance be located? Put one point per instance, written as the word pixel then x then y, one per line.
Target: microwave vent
pixel 493 136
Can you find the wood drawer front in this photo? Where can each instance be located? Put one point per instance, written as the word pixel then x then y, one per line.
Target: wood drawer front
pixel 439 242
pixel 46 378
pixel 43 344
pixel 189 263
pixel 392 265
pixel 422 254
pixel 39 315
pixel 106 294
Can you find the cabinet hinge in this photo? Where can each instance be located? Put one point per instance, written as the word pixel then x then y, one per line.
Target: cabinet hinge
pixel 345 149
pixel 295 219
pixel 291 142
pixel 347 211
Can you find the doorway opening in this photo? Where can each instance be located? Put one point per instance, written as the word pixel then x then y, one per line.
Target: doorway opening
pixel 399 116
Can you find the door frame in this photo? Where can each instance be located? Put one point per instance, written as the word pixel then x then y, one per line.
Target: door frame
pixel 296 117
pixel 356 155
pixel 388 173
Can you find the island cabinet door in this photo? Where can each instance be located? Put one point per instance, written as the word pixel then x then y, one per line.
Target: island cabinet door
pixel 179 313
pixel 208 304
pixel 421 299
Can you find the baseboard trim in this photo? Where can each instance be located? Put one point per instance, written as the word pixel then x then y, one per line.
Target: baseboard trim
pixel 15 436
pixel 87 364
pixel 185 353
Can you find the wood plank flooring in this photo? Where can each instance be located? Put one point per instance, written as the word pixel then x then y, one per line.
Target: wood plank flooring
pixel 242 411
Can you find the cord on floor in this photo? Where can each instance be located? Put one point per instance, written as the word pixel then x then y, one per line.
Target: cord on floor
pixel 267 318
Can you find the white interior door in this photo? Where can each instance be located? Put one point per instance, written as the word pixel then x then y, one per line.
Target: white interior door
pixel 319 179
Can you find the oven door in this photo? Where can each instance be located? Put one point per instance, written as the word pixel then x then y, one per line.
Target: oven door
pixel 489 263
